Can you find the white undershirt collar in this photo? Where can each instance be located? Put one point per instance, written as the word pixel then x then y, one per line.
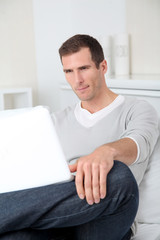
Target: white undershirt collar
pixel 88 119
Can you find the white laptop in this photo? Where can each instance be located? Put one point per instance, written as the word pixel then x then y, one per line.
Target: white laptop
pixel 30 151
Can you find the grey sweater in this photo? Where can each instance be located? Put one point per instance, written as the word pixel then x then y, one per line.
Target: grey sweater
pixel 133 118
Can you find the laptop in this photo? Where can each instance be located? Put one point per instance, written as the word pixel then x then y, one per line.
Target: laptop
pixel 30 151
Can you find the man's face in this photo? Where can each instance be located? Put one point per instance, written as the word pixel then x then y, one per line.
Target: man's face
pixel 83 76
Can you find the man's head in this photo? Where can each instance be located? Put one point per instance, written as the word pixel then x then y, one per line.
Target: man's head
pixel 75 43
pixel 85 67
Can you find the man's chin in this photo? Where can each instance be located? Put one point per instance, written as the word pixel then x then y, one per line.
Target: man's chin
pixel 82 98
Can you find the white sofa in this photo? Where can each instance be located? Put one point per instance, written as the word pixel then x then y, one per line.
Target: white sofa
pixel 148 217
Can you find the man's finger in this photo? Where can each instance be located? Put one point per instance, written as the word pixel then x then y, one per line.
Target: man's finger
pixel 96 183
pixel 103 182
pixel 73 167
pixel 79 182
pixel 88 184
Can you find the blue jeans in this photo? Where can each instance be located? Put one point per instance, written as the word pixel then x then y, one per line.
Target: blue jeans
pixel 27 213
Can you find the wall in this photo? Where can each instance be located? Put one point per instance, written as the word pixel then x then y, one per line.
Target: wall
pixel 17 49
pixel 31 31
pixel 55 21
pixel 143 25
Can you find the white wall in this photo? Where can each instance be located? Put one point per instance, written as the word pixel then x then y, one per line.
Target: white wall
pixel 55 21
pixel 17 49
pixel 143 25
pixel 41 26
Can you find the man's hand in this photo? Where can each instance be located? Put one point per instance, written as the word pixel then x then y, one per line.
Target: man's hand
pixel 92 170
pixel 91 176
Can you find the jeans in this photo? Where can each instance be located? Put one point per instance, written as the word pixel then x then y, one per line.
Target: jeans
pixel 55 211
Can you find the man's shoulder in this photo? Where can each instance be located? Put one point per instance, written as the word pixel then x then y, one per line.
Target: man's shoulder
pixel 136 102
pixel 139 108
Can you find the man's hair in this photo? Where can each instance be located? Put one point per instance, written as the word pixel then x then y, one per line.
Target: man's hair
pixel 75 43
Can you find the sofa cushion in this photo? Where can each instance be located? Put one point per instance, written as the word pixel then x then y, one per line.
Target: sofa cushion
pixel 147 232
pixel 149 207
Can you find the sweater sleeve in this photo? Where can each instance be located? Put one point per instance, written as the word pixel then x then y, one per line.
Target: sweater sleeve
pixel 142 127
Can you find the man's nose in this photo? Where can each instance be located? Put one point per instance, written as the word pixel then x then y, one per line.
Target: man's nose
pixel 78 77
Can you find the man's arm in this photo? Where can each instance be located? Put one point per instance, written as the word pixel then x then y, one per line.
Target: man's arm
pixel 92 169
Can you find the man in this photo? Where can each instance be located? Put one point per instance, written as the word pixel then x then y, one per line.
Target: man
pixel 102 128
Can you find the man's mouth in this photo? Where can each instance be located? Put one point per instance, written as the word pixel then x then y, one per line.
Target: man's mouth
pixel 82 88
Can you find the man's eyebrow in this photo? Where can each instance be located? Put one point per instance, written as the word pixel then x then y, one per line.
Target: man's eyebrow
pixel 84 66
pixel 80 67
pixel 67 69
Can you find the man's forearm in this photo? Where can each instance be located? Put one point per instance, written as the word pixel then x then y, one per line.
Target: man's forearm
pixel 124 150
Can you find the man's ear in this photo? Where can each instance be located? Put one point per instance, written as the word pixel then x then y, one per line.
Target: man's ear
pixel 104 66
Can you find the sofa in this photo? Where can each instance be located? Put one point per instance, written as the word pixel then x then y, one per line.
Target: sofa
pixel 148 216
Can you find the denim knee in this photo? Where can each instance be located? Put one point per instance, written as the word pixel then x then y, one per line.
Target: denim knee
pixel 122 190
pixel 122 199
pixel 121 180
pixel 117 211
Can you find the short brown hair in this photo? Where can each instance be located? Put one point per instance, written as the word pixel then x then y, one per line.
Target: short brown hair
pixel 75 43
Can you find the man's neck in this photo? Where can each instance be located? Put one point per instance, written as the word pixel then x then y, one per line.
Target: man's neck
pixel 95 105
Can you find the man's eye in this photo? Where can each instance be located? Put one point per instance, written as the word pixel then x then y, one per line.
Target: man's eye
pixel 83 68
pixel 68 71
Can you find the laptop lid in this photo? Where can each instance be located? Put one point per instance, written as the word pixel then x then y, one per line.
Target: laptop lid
pixel 30 151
